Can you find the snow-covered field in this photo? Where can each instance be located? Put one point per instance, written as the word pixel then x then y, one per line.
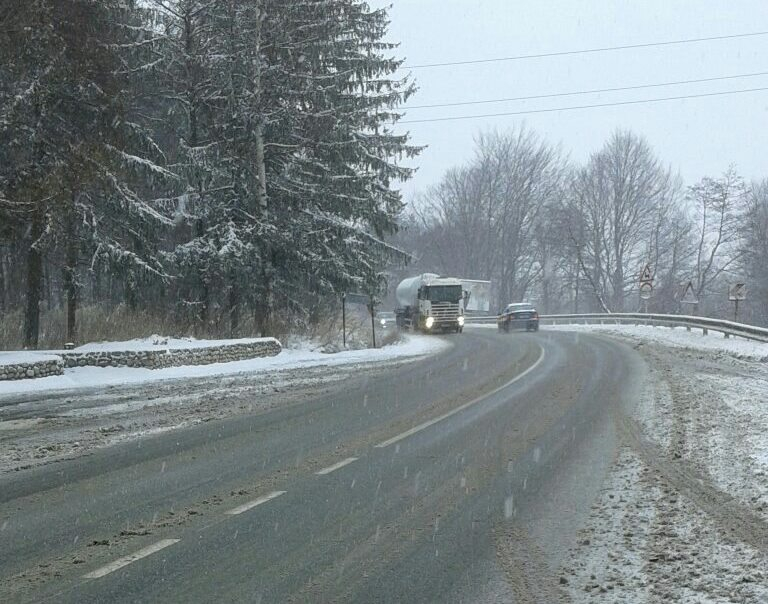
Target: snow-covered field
pixel 683 515
pixel 304 356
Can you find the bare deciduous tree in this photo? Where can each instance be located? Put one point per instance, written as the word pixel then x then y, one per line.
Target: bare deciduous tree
pixel 482 220
pixel 755 248
pixel 719 205
pixel 618 194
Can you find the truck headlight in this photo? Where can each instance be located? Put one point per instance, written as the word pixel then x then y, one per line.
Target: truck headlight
pixel 460 320
pixel 383 322
pixel 429 322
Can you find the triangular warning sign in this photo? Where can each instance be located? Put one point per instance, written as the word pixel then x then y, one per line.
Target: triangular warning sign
pixel 646 276
pixel 689 296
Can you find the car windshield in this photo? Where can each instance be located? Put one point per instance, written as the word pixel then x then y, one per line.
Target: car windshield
pixel 256 337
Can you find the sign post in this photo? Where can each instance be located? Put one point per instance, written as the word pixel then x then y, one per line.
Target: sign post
pixel 344 319
pixel 736 293
pixel 373 322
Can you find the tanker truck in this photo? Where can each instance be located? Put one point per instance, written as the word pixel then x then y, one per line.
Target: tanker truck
pixel 430 303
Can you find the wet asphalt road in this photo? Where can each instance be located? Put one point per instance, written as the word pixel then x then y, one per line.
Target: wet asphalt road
pixel 457 478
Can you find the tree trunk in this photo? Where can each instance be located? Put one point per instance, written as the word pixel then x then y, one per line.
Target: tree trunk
pixel 204 295
pixel 3 285
pixel 234 308
pixel 34 283
pixel 261 192
pixel 70 273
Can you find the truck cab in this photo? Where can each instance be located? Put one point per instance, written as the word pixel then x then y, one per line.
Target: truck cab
pixel 431 304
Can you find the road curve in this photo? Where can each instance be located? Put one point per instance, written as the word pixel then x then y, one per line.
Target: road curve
pixel 458 478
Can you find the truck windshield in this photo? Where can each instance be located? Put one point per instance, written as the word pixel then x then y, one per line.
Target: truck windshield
pixel 444 293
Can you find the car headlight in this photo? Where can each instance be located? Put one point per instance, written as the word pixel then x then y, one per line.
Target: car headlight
pixel 430 322
pixel 383 322
pixel 461 320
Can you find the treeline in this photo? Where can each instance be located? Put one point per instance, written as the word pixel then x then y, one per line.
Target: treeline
pixel 212 160
pixel 575 238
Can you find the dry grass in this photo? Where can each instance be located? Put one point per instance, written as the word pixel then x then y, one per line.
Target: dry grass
pixel 94 324
pixel 97 324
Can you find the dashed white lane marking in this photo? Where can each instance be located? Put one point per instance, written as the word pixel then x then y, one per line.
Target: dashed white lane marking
pixel 252 504
pixel 460 408
pixel 125 561
pixel 336 466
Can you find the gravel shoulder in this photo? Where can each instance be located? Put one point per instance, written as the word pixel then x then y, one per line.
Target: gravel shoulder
pixel 683 514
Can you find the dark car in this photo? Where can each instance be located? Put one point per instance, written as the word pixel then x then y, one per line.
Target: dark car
pixel 521 315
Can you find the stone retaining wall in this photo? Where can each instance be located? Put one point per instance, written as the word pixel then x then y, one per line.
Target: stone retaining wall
pixel 32 369
pixel 173 357
pixel 148 359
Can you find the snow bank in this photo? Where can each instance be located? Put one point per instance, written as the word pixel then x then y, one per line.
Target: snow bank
pixel 24 357
pixel 678 337
pixel 162 343
pixel 87 377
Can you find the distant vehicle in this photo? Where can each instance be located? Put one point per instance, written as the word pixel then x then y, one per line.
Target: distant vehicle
pixel 430 303
pixel 385 319
pixel 521 315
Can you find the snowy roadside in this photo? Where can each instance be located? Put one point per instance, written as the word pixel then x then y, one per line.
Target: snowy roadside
pixel 88 377
pixel 679 337
pixel 61 417
pixel 683 516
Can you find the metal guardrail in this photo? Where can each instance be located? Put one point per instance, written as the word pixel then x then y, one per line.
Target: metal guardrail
pixel 706 324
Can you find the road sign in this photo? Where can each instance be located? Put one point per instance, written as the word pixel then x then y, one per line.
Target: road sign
pixel 357 299
pixel 646 276
pixel 737 292
pixel 689 296
pixel 646 289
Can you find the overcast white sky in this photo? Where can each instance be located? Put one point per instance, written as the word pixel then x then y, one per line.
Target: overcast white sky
pixel 695 136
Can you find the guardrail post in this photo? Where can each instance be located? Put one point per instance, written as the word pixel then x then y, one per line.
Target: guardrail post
pixel 704 331
pixel 726 334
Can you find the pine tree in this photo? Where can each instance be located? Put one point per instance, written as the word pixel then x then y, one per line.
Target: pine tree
pixel 81 160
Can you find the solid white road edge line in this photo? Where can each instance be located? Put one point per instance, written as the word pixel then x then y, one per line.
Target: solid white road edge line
pixel 460 408
pixel 125 561
pixel 336 466
pixel 252 504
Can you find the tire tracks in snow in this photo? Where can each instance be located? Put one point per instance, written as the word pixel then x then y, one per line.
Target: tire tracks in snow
pixel 735 519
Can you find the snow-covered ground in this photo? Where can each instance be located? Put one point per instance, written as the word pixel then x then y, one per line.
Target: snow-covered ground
pixel 304 356
pixel 161 343
pixel 22 356
pixel 679 337
pixel 683 515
